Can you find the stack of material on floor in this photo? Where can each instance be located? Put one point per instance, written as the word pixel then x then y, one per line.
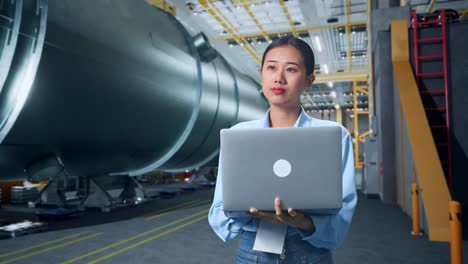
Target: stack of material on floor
pixel 190 188
pixel 169 193
pixel 207 184
pixel 57 213
pixel 23 194
pixel 21 228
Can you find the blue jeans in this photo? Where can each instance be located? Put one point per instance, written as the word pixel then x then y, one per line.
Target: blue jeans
pixel 296 251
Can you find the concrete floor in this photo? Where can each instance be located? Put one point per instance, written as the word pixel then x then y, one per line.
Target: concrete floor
pixel 164 231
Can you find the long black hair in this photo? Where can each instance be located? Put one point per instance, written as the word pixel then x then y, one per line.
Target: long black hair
pixel 299 44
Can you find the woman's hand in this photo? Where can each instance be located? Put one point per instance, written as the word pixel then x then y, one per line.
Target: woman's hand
pixel 292 218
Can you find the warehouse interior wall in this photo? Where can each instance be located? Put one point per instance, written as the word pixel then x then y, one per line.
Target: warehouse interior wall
pixel 383 83
pixel 458 68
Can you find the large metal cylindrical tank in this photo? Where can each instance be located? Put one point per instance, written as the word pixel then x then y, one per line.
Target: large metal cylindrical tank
pixel 120 88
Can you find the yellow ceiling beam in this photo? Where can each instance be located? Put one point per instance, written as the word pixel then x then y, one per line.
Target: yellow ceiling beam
pixel 348 32
pixel 218 15
pixel 291 22
pixel 340 76
pixel 362 91
pixel 431 6
pixel 370 61
pixel 163 5
pixel 247 9
pixel 281 32
pixel 463 14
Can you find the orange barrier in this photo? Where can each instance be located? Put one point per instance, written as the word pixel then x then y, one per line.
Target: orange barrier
pixel 416 228
pixel 455 232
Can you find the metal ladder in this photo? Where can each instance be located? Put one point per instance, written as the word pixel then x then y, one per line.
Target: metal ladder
pixel 431 71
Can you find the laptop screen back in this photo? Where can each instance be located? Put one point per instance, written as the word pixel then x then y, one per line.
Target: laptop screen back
pixel 300 165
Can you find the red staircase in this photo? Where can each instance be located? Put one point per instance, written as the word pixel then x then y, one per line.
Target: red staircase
pixel 431 70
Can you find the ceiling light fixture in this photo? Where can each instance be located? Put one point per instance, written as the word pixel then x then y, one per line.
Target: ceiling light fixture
pixel 333 94
pixel 330 84
pixel 325 68
pixel 317 43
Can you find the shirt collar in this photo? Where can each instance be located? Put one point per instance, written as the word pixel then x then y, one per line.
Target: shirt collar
pixel 301 121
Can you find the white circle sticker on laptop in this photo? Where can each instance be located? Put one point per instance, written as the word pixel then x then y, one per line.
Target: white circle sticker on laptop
pixel 282 168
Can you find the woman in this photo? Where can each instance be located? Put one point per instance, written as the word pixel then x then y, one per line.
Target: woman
pixel 287 70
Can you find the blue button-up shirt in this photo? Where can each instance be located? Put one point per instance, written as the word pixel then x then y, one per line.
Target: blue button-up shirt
pixel 330 229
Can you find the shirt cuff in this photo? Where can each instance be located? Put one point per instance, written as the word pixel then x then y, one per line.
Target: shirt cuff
pixel 235 214
pixel 236 225
pixel 306 233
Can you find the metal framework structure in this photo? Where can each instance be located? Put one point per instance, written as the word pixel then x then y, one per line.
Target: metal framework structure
pixel 337 30
pixel 359 86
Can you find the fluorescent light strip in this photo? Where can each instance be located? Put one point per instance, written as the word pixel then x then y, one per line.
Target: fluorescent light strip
pixel 317 43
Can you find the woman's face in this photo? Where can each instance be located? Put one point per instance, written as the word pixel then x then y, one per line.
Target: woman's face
pixel 284 76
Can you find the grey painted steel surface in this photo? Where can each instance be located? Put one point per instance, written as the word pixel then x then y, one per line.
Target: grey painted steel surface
pixel 384 85
pixel 371 179
pixel 10 17
pixel 458 69
pixel 121 88
pixel 18 77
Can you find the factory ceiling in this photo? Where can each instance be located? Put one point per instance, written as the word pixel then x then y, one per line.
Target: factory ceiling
pixel 336 30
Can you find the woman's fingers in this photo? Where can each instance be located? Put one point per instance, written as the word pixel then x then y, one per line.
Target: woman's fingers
pixel 292 217
pixel 278 206
pixel 292 212
pixel 260 214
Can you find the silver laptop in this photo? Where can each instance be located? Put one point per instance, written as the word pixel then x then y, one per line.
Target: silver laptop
pixel 300 165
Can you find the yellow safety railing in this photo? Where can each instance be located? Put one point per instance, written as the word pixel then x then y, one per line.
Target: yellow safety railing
pixel 358 137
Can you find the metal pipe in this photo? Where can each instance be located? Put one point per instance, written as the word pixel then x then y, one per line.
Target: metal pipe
pixel 124 93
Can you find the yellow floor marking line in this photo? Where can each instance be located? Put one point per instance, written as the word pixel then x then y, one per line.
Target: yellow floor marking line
pixel 40 245
pixel 49 249
pixel 147 240
pixel 169 209
pixel 132 238
pixel 182 207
